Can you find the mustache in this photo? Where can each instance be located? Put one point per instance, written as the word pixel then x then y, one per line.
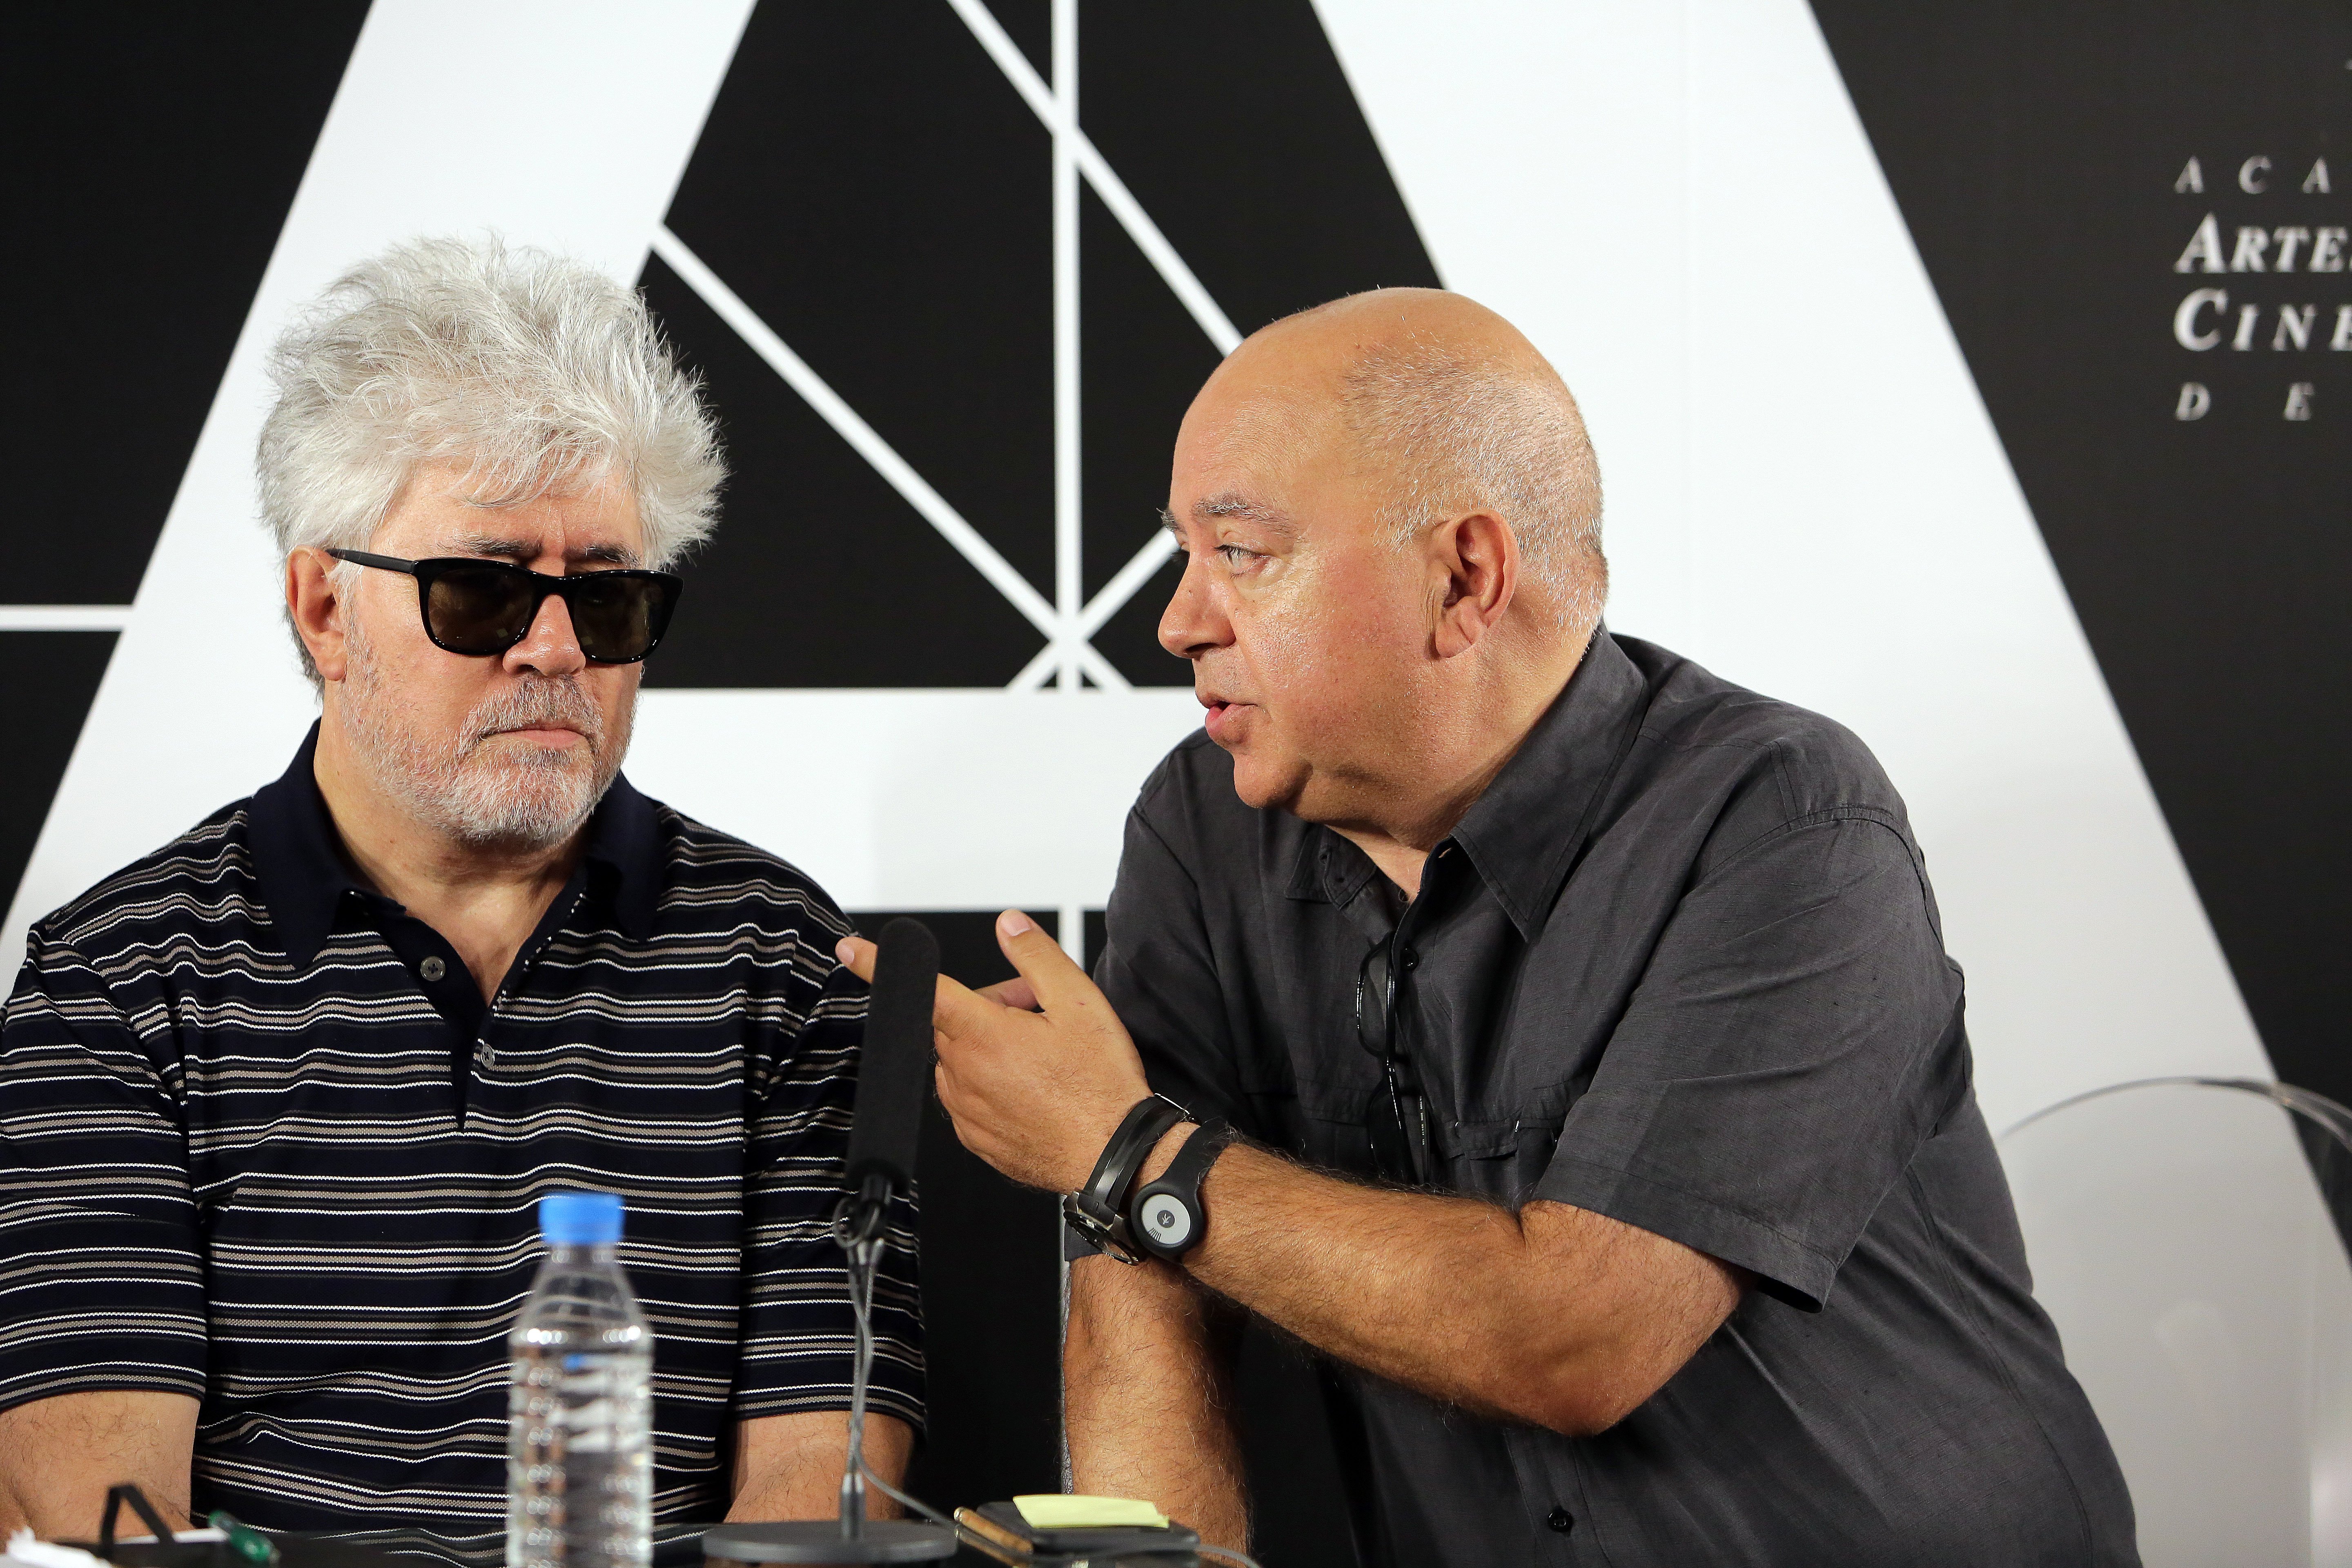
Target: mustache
pixel 540 702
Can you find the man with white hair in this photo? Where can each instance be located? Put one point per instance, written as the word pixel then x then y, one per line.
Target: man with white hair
pixel 1601 1086
pixel 276 1102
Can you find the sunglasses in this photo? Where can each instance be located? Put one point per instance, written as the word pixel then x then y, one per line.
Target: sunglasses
pixel 1395 1119
pixel 481 608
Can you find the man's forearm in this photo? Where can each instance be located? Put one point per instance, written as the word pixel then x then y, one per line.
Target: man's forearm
pixel 1550 1316
pixel 1145 1397
pixel 59 1456
pixel 789 1467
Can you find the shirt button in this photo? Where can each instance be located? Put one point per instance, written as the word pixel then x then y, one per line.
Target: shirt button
pixel 432 968
pixel 1412 959
pixel 485 1055
pixel 1559 1519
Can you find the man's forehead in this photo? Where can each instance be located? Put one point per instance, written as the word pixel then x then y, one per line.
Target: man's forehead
pixel 596 521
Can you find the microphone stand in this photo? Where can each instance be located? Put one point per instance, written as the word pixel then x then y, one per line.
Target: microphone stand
pixel 861 1225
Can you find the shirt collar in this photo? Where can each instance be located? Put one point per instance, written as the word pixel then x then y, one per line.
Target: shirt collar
pixel 299 862
pixel 1522 834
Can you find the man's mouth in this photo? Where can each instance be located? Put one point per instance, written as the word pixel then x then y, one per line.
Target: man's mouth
pixel 539 735
pixel 1222 713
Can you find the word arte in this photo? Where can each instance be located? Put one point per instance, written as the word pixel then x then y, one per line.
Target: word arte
pixel 2257 248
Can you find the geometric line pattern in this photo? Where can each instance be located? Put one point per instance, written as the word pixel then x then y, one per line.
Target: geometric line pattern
pixel 1070 620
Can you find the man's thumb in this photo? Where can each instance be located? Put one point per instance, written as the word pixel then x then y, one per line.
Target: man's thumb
pixel 1051 971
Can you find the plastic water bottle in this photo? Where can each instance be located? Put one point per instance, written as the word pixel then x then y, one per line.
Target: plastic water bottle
pixel 579 1433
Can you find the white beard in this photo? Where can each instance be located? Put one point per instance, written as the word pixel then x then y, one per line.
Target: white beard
pixel 507 796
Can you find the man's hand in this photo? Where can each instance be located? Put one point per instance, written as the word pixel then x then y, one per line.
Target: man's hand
pixel 1036 1094
pixel 59 1456
pixel 1551 1315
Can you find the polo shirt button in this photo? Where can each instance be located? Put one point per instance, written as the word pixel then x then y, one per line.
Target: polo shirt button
pixel 432 968
pixel 1412 959
pixel 1559 1519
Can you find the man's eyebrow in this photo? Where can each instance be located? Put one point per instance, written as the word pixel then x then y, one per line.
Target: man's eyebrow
pixel 1228 504
pixel 499 547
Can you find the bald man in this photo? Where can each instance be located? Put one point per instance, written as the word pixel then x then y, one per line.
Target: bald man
pixel 1601 1087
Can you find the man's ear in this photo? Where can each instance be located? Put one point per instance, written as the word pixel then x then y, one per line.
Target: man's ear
pixel 1477 557
pixel 317 610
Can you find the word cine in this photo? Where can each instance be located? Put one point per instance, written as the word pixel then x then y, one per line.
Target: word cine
pixel 2257 248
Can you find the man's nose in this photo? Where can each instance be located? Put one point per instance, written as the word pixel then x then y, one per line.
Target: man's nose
pixel 1191 624
pixel 551 646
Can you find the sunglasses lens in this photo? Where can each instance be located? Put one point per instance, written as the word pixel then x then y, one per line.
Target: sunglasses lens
pixel 479 609
pixel 618 615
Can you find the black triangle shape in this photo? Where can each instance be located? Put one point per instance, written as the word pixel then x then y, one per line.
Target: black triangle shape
pixel 869 183
pixel 2035 154
pixel 816 560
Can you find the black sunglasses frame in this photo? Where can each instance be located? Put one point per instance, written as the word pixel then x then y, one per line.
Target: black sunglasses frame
pixel 1396 1117
pixel 660 606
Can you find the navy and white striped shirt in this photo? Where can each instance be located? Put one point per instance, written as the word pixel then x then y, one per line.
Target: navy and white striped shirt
pixel 262 1142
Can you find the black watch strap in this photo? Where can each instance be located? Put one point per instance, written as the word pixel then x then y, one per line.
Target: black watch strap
pixel 1167 1217
pixel 1097 1211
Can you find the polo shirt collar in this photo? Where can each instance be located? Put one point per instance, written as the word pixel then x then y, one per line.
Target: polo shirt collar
pixel 299 862
pixel 1522 834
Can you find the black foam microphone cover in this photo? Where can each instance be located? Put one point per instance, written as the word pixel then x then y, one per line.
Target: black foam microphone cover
pixel 894 1074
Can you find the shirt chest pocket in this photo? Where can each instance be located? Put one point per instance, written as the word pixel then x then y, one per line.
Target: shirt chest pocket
pixel 1498 1160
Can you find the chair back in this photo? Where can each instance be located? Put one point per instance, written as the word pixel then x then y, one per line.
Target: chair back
pixel 2186 1236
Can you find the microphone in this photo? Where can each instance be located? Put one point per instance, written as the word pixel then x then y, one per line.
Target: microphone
pixel 894 1076
pixel 894 1081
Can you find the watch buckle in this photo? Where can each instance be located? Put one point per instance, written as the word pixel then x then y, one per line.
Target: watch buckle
pixel 1112 1238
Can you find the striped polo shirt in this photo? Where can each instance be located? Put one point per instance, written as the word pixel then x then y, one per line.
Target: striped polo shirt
pixel 263 1142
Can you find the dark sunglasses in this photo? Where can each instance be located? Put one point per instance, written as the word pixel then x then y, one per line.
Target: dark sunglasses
pixel 1396 1119
pixel 481 608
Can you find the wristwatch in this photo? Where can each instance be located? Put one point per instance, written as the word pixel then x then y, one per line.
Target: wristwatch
pixel 1097 1211
pixel 1167 1215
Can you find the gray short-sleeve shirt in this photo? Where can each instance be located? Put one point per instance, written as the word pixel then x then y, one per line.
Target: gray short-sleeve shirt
pixel 1679 965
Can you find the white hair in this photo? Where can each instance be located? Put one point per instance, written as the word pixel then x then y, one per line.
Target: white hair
pixel 1457 431
pixel 539 372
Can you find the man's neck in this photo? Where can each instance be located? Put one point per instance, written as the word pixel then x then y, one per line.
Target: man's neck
pixel 485 902
pixel 1416 815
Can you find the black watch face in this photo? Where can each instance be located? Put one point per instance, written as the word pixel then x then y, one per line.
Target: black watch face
pixel 1166 1219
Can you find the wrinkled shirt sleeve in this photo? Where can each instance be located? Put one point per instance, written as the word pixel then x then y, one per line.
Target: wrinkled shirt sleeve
pixel 798 1331
pixel 1794 1038
pixel 101 1276
pixel 1158 971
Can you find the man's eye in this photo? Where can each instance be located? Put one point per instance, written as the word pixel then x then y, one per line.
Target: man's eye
pixel 1236 555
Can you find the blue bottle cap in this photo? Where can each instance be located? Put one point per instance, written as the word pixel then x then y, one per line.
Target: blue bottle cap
pixel 580 1219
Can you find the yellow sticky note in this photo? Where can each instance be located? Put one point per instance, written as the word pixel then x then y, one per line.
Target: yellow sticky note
pixel 1062 1510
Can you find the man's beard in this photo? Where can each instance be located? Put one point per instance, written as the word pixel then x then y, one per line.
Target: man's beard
pixel 510 796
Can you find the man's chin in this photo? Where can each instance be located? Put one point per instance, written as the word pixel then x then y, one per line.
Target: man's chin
pixel 1262 784
pixel 522 797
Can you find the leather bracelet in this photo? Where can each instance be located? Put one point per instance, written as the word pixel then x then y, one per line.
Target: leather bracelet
pixel 1167 1217
pixel 1097 1211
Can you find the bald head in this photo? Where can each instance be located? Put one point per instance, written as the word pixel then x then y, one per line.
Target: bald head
pixel 1441 407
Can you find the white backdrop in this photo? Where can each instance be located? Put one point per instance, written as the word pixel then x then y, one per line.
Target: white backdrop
pixel 1675 201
